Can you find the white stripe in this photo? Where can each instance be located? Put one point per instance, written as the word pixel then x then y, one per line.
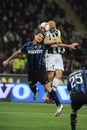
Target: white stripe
pixel 8 112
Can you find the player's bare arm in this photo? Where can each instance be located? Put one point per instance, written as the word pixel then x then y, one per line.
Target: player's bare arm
pixel 70 46
pixel 14 55
pixel 49 42
pixel 73 45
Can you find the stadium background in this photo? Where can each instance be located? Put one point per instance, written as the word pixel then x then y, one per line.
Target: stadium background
pixel 20 20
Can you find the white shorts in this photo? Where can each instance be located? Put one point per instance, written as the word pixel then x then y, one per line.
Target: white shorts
pixel 54 62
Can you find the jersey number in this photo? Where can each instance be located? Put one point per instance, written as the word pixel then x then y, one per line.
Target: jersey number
pixel 76 79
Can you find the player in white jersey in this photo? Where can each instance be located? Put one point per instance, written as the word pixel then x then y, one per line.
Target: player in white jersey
pixel 54 60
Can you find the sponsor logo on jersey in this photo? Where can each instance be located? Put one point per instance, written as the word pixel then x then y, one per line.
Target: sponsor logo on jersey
pixel 34 51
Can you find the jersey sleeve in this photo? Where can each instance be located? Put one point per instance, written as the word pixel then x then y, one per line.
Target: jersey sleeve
pixel 23 48
pixel 58 35
pixel 47 34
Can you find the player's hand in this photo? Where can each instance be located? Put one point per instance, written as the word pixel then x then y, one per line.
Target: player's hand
pixel 5 63
pixel 74 45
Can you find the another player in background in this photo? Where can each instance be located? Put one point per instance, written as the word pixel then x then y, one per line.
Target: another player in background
pixel 35 51
pixel 77 86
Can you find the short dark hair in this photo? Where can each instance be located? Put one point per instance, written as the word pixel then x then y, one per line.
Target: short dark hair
pixel 76 65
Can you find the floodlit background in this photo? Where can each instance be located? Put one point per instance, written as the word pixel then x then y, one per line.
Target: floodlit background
pixel 19 21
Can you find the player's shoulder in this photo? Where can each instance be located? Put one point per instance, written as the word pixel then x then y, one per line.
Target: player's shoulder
pixel 28 43
pixel 47 33
pixel 58 31
pixel 76 72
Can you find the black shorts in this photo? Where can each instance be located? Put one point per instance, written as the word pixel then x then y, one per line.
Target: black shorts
pixel 38 76
pixel 78 100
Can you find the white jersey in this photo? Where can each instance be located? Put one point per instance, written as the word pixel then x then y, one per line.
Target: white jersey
pixel 53 57
pixel 54 36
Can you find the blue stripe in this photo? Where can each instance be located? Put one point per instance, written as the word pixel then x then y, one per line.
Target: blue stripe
pixel 41 62
pixel 32 59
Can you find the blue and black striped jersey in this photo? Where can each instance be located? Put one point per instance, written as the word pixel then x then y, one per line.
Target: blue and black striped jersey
pixel 35 55
pixel 77 82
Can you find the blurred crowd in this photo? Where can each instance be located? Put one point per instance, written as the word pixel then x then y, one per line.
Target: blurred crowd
pixel 80 7
pixel 19 20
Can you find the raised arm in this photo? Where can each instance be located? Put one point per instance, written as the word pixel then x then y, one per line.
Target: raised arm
pixel 70 46
pixel 14 55
pixel 50 42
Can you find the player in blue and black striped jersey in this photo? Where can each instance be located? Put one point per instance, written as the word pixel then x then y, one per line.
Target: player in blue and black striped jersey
pixel 77 86
pixel 35 51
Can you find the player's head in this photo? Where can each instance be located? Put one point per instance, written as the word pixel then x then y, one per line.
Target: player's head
pixel 52 25
pixel 39 37
pixel 75 66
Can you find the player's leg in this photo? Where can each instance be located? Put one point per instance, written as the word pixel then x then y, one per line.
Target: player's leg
pixel 59 68
pixel 46 96
pixel 50 74
pixel 57 78
pixel 35 90
pixel 77 102
pixel 32 80
pixel 73 120
pixel 44 80
pixel 54 97
pixel 50 67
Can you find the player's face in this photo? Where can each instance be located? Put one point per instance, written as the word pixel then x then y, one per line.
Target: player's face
pixel 52 26
pixel 39 37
